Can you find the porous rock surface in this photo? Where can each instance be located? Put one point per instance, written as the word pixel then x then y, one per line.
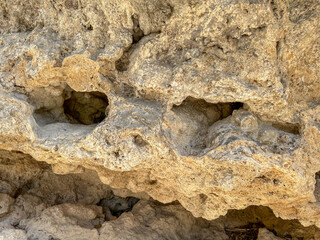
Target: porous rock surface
pixel 214 104
pixel 45 206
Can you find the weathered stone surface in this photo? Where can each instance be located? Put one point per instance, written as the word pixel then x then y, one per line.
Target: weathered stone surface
pixel 5 204
pixel 265 234
pixel 210 103
pixel 152 221
pixel 79 206
pixel 13 234
pixel 65 221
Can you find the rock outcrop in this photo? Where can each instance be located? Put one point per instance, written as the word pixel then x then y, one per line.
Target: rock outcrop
pixel 36 204
pixel 210 104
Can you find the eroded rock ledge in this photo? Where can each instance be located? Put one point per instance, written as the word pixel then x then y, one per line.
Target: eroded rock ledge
pixel 36 203
pixel 214 104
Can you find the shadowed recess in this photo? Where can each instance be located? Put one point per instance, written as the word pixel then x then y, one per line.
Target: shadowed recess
pixel 86 107
pixel 213 112
pixel 190 122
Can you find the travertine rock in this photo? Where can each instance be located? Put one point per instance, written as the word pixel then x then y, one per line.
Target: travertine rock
pixel 71 210
pixel 210 103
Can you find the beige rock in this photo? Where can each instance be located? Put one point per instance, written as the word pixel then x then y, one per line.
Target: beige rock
pixel 79 206
pixel 13 234
pixel 149 221
pixel 61 168
pixel 5 204
pixel 65 221
pixel 265 234
pixel 268 136
pixel 248 122
pixel 210 103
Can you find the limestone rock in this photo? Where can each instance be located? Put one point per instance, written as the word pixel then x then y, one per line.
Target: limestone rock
pixel 5 204
pixel 265 234
pixel 214 104
pixel 70 210
pixel 152 221
pixel 13 234
pixel 65 221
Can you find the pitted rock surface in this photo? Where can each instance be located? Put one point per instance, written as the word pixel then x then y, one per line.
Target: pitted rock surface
pixel 213 104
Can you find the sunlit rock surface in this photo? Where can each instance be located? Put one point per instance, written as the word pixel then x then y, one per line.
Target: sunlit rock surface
pixel 210 104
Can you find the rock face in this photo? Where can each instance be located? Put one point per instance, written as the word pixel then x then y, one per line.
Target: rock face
pixel 47 206
pixel 214 104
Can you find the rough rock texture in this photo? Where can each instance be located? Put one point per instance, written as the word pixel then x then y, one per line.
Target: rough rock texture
pixel 214 104
pixel 264 234
pixel 46 206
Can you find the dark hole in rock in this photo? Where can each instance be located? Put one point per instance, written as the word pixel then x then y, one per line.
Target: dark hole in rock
pixel 89 28
pixel 123 63
pixel 138 141
pixel 287 127
pixel 117 154
pixel 61 104
pixel 115 206
pixel 236 105
pixel 137 32
pixel 85 107
pixel 213 112
pixel 247 232
pixel 153 182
